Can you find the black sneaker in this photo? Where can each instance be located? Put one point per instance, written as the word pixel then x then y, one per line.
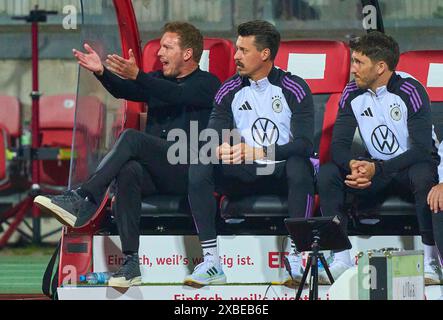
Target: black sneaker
pixel 69 208
pixel 128 274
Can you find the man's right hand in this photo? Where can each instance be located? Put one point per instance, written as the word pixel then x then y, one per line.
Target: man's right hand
pixel 361 174
pixel 224 152
pixel 435 198
pixel 89 60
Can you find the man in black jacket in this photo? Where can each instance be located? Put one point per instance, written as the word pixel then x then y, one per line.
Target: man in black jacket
pixel 392 112
pixel 177 95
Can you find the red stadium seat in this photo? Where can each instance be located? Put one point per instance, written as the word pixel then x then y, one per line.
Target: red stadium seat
pixel 88 133
pixel 56 127
pixel 427 67
pixel 4 176
pixel 325 66
pixel 13 174
pixel 217 58
pixel 10 132
pixel 10 116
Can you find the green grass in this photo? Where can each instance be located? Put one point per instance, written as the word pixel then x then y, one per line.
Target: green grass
pixel 22 269
pixel 33 250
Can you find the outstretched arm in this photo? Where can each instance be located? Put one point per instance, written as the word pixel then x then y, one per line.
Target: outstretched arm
pixel 118 87
pixel 89 60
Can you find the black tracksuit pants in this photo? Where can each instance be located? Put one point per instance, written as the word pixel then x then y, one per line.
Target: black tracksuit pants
pixel 138 163
pixel 293 178
pixel 414 182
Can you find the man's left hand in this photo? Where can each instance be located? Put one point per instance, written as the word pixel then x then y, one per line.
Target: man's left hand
pixel 435 198
pixel 125 68
pixel 362 174
pixel 243 152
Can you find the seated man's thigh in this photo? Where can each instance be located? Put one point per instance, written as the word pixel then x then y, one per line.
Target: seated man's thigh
pixel 418 178
pixel 244 180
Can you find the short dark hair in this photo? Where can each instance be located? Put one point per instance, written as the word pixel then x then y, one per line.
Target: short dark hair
pixel 190 37
pixel 266 35
pixel 377 46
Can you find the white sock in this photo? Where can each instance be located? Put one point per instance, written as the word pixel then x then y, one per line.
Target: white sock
pixel 210 250
pixel 430 254
pixel 343 256
pixel 293 249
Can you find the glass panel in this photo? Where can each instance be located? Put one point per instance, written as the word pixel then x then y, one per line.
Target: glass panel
pixel 311 19
pixel 98 114
pixel 330 19
pixel 213 16
pixel 415 24
pixel 57 76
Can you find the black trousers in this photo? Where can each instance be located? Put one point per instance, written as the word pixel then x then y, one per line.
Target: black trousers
pixel 139 166
pixel 414 182
pixel 294 177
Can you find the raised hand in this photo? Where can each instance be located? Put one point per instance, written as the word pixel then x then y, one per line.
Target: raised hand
pixel 125 68
pixel 89 60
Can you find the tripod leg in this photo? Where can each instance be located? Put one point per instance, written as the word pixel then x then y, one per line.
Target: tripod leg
pixel 325 264
pixel 315 288
pixel 313 285
pixel 36 223
pixel 303 279
pixel 21 213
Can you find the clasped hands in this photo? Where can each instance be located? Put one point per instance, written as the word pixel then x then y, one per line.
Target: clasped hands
pixel 363 171
pixel 239 153
pixel 361 175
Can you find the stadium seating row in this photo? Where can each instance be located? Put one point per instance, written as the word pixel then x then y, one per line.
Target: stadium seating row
pixel 325 65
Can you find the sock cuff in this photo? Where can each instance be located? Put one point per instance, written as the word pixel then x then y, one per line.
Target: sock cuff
pixel 209 244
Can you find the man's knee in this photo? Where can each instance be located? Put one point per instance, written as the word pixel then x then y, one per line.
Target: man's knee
pixel 422 176
pixel 131 172
pixel 299 170
pixel 328 174
pixel 130 134
pixel 199 175
pixel 427 236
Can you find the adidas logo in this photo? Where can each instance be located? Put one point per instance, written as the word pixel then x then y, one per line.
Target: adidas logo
pixel 245 106
pixel 367 113
pixel 212 272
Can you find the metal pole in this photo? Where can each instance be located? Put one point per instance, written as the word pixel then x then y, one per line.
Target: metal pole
pixel 35 95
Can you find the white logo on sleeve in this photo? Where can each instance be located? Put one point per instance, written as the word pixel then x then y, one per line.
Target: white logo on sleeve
pixel 265 132
pixel 384 140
